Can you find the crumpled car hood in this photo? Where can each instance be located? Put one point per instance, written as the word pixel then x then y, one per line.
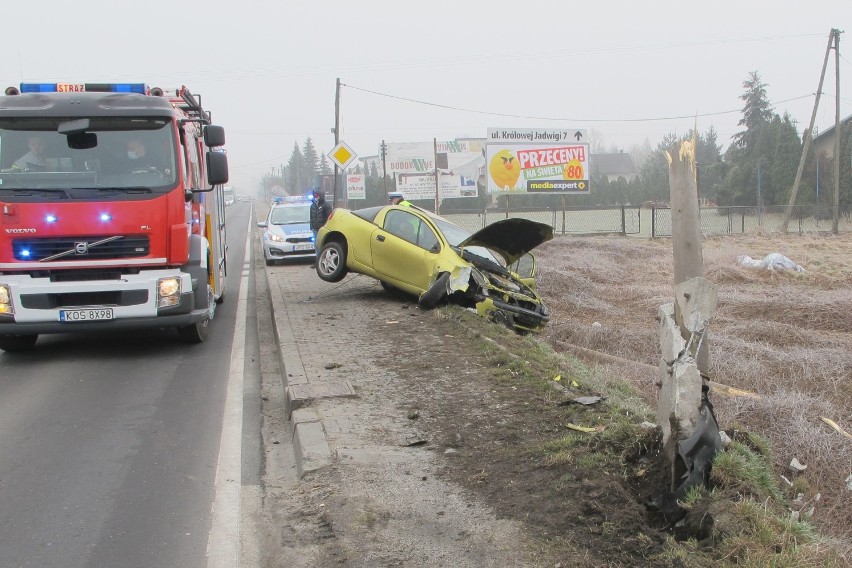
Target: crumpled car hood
pixel 511 238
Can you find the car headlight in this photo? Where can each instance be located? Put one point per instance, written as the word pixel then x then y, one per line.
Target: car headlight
pixel 274 238
pixel 168 292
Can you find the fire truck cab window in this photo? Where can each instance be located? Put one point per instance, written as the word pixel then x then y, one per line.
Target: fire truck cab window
pixel 118 154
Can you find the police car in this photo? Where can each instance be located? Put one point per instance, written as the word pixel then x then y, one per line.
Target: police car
pixel 288 230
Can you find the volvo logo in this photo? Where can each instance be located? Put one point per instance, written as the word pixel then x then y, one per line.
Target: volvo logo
pixel 20 231
pixel 80 247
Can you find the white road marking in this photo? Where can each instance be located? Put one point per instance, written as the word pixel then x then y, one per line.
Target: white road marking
pixel 223 541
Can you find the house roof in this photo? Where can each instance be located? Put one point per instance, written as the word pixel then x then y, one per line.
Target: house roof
pixel 612 164
pixel 829 132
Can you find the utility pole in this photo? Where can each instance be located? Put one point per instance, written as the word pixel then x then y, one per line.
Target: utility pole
pixel 836 216
pixel 384 167
pixel 336 136
pixel 807 141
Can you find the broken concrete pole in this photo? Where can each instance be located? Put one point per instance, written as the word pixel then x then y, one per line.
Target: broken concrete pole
pixel 686 224
pixel 684 323
pixel 679 401
pixel 695 305
pixel 680 381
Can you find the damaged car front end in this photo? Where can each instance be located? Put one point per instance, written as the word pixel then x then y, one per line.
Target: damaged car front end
pixel 491 271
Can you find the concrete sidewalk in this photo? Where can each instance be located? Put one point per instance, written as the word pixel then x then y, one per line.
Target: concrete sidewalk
pixel 314 324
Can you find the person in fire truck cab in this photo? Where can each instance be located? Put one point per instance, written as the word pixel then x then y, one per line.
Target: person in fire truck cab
pixel 33 160
pixel 138 159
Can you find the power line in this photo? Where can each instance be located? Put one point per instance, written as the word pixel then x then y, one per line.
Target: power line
pixel 551 118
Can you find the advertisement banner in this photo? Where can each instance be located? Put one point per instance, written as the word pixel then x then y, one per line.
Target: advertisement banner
pixel 537 161
pixel 422 186
pixel 460 164
pixel 356 186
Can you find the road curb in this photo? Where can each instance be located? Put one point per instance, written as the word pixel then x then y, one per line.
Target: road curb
pixel 305 427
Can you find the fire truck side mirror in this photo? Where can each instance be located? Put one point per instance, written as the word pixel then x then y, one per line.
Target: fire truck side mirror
pixel 217 168
pixel 214 136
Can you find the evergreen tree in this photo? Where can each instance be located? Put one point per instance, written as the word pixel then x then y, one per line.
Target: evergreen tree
pixel 325 166
pixel 757 112
pixel 748 156
pixel 296 181
pixel 787 150
pixel 311 160
pixel 653 179
pixel 711 168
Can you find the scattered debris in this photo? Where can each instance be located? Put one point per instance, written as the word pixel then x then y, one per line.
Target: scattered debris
pixel 587 400
pixel 834 425
pixel 585 428
pixel 731 391
pixel 849 482
pixel 413 414
pixel 332 365
pixel 773 261
pixel 796 466
pixel 414 440
pixel 726 440
pixel 648 425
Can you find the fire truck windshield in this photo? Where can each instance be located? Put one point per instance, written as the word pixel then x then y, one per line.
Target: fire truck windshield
pixel 112 153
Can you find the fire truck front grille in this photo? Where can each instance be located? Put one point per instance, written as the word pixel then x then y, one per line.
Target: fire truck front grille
pixel 80 248
pixel 74 299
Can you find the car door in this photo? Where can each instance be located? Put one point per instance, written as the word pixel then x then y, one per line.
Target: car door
pixel 397 253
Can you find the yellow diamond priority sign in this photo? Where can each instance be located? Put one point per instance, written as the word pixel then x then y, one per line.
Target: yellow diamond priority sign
pixel 342 155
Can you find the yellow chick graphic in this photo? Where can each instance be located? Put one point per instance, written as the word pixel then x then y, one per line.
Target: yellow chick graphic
pixel 504 169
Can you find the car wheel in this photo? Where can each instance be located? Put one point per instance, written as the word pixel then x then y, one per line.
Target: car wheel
pixel 14 343
pixel 438 290
pixel 331 262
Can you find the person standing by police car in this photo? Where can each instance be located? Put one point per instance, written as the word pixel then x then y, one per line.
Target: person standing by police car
pixel 320 211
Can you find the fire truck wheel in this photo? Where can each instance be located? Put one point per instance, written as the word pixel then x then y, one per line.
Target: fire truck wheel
pixel 195 333
pixel 17 342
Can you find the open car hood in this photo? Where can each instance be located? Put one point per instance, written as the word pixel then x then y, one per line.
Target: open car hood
pixel 511 238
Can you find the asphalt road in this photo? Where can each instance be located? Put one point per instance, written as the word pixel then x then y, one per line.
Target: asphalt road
pixel 110 445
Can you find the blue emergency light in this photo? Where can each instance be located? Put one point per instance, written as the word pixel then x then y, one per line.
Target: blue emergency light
pixel 140 88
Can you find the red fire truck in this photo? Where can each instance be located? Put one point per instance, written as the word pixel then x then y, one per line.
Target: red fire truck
pixel 112 213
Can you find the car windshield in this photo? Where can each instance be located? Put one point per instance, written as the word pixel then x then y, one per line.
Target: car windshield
pixel 115 153
pixel 290 214
pixel 456 235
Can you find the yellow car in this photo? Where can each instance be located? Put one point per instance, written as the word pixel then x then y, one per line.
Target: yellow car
pixel 423 254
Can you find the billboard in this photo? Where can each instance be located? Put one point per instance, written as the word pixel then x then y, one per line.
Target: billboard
pixel 537 161
pixel 414 164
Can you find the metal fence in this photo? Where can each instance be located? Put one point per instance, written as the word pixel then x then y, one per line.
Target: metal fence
pixel 638 221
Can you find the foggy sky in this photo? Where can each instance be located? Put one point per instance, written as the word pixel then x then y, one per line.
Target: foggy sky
pixel 628 72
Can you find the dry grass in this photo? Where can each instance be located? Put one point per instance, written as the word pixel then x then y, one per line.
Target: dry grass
pixel 785 336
